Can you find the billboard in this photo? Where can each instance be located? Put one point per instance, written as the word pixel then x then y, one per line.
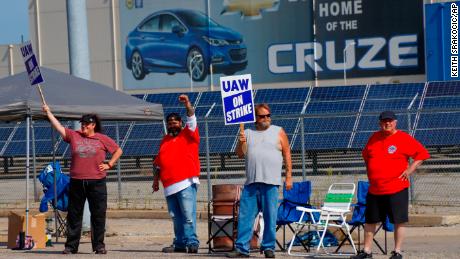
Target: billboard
pixel 368 38
pixel 176 43
pixel 441 22
pixel 168 44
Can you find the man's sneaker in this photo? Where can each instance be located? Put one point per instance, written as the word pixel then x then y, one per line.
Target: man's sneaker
pixel 192 249
pixel 101 251
pixel 236 254
pixel 396 255
pixel 173 249
pixel 269 254
pixel 361 255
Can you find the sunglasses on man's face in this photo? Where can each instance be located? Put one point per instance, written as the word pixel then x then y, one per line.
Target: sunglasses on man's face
pixel 262 116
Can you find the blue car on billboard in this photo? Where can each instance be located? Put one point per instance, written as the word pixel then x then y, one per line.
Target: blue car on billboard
pixel 188 41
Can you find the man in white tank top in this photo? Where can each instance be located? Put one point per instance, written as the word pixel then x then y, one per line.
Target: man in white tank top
pixel 264 150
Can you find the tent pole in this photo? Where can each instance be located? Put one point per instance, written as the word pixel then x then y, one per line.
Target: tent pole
pixel 27 171
pixel 34 159
pixel 53 142
pixel 117 132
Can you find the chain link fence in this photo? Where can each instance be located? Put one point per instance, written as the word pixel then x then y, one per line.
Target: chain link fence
pixel 326 148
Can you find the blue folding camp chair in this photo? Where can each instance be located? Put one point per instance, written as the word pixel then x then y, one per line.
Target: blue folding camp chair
pixel 299 195
pixel 46 177
pixel 359 218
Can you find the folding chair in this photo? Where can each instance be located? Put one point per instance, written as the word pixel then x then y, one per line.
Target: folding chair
pixel 359 218
pixel 299 195
pixel 222 222
pixel 332 214
pixel 46 177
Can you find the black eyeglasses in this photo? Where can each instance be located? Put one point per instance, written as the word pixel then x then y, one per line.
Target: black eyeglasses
pixel 263 116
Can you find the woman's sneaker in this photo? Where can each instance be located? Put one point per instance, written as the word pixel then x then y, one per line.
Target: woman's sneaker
pixel 361 255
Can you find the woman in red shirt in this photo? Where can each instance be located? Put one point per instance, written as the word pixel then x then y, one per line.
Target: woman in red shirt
pixel 87 178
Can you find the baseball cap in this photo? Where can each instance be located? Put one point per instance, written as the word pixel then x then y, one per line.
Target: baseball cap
pixel 387 115
pixel 88 118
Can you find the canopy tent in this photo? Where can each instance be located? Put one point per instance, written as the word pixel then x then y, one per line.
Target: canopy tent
pixel 69 97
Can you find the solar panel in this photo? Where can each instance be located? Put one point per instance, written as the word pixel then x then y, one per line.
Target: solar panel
pixel 111 130
pixel 328 127
pixel 285 95
pixel 217 144
pixel 444 102
pixel 216 112
pixel 43 133
pixel 390 104
pixel 288 125
pixel 321 141
pixel 141 147
pixel 438 137
pixel 333 106
pixel 181 110
pixel 388 91
pixel 338 93
pixel 5 133
pixel 208 98
pixel 286 108
pixel 361 138
pixel 218 128
pixel 169 99
pixel 147 131
pixel 43 147
pixel 439 120
pixel 329 124
pixel 15 148
pixel 449 88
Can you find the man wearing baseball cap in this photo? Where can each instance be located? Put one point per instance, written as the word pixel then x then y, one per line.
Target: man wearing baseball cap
pixel 387 155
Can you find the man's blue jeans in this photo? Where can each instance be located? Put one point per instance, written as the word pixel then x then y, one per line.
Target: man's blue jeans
pixel 182 208
pixel 257 197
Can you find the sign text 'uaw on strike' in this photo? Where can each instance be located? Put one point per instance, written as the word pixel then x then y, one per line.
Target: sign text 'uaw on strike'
pixel 237 99
pixel 33 70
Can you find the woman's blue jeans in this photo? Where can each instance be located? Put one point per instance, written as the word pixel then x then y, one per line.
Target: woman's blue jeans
pixel 257 197
pixel 182 209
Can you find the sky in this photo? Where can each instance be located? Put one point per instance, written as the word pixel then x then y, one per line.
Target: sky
pixel 14 21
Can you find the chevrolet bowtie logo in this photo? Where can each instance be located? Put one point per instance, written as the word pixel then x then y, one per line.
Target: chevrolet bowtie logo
pixel 250 8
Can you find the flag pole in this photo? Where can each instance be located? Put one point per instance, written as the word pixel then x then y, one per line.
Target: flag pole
pixel 41 94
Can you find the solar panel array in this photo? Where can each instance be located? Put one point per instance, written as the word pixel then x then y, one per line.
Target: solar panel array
pixel 339 117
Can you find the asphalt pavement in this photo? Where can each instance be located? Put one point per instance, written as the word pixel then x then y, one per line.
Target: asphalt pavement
pixel 144 238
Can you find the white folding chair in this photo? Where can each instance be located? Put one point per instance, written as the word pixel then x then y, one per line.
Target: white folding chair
pixel 333 213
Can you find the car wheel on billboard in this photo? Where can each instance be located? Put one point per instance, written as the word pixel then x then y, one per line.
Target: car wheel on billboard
pixel 137 66
pixel 195 65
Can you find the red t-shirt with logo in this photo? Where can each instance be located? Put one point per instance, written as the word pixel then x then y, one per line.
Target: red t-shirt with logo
pixel 386 159
pixel 88 153
pixel 178 157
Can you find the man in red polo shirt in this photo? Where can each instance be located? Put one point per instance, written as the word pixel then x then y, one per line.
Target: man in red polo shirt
pixel 387 156
pixel 178 168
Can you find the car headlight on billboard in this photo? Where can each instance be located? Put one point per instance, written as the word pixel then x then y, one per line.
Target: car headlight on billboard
pixel 215 42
